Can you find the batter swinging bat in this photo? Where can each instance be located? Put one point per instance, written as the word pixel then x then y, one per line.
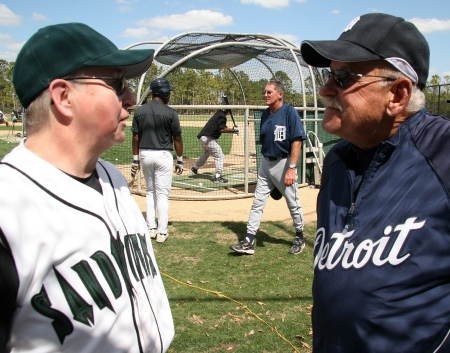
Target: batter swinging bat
pixel 225 101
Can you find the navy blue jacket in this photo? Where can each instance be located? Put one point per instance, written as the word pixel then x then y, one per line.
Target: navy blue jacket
pixel 382 267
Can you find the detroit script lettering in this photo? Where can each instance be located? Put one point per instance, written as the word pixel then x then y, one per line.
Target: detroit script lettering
pixel 340 250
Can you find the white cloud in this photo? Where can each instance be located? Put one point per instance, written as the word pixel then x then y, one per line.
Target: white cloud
pixel 8 18
pixel 270 4
pixel 8 56
pixel 126 1
pixel 39 17
pixel 124 9
pixel 205 20
pixel 290 37
pixel 7 42
pixel 429 25
pixel 335 12
pixel 12 48
pixel 140 32
pixel 15 46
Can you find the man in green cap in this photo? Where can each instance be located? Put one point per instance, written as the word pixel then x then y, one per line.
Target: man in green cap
pixel 77 269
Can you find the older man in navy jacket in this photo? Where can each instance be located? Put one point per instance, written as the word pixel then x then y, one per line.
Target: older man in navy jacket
pixel 381 255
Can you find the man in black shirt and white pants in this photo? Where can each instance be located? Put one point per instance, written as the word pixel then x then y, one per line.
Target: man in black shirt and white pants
pixel 156 129
pixel 208 140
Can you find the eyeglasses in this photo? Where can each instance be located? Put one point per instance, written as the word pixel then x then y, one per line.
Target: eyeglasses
pixel 341 77
pixel 118 83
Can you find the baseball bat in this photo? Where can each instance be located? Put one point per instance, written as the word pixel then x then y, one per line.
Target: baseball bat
pixel 131 183
pixel 225 100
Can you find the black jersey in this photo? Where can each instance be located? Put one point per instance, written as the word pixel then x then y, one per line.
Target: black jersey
pixel 214 125
pixel 156 124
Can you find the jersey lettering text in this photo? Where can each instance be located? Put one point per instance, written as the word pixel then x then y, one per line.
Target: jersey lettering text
pixel 348 255
pixel 81 310
pixel 109 272
pixel 61 323
pixel 91 283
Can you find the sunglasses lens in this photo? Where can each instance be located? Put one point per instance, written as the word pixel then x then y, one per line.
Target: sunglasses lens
pixel 325 75
pixel 340 77
pixel 120 84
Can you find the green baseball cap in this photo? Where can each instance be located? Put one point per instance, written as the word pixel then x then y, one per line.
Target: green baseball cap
pixel 57 50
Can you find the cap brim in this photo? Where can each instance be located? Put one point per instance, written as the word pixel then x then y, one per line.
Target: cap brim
pixel 320 53
pixel 166 90
pixel 133 62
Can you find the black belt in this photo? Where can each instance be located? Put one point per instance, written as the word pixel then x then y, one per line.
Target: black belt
pixel 275 158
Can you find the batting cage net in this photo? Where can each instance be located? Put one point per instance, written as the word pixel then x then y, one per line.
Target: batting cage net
pixel 205 67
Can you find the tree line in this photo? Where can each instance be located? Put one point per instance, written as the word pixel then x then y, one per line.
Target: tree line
pixel 206 87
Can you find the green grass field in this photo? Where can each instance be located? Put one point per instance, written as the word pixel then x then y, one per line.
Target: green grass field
pixel 122 154
pixel 265 302
pixel 5 147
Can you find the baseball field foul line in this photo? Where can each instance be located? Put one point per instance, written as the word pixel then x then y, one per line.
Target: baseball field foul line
pixel 220 295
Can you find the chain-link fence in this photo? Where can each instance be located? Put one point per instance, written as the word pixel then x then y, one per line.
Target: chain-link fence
pixel 242 154
pixel 438 99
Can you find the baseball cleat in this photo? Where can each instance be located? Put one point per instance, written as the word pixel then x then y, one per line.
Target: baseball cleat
pixel 298 246
pixel 161 238
pixel 193 170
pixel 220 180
pixel 152 232
pixel 244 247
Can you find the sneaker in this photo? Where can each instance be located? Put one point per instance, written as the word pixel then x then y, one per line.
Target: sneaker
pixel 152 232
pixel 193 170
pixel 220 180
pixel 244 247
pixel 161 238
pixel 298 246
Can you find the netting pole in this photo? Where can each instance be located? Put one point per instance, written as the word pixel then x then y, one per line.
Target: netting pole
pixel 246 149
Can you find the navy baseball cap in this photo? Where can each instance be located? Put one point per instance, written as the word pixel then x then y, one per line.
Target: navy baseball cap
pixel 161 84
pixel 57 50
pixel 372 37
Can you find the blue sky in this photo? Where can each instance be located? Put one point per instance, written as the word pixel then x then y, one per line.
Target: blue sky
pixel 126 22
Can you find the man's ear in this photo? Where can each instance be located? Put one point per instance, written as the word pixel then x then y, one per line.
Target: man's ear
pixel 61 95
pixel 399 96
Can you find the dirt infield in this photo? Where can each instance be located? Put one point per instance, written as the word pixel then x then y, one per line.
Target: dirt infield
pixel 236 210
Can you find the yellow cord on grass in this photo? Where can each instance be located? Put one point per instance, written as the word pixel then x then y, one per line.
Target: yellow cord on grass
pixel 274 329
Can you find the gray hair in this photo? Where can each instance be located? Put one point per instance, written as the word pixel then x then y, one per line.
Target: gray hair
pixel 37 112
pixel 279 87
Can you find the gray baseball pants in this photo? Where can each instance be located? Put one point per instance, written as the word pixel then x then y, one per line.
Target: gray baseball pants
pixel 210 147
pixel 271 174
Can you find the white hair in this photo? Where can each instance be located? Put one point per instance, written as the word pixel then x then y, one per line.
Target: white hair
pixel 417 100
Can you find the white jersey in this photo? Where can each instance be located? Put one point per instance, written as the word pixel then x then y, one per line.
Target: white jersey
pixel 88 279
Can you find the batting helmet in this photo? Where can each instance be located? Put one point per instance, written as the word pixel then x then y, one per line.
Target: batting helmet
pixel 161 87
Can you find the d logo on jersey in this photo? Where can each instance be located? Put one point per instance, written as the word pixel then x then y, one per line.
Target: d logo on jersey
pixel 133 252
pixel 280 133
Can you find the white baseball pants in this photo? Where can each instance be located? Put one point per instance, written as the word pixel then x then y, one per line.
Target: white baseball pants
pixel 157 168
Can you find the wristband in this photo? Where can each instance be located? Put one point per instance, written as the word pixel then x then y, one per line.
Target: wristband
pixel 135 157
pixel 180 159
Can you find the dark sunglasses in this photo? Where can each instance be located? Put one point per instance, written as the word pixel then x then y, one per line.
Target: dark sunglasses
pixel 118 83
pixel 341 77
